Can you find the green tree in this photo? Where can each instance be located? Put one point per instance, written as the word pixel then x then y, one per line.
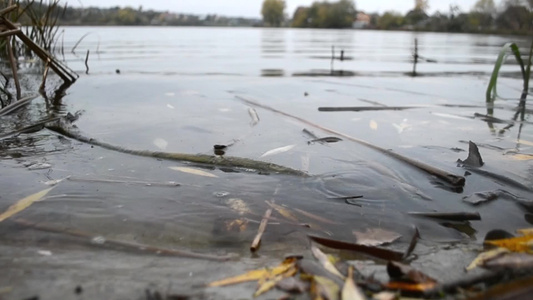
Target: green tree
pixel 301 17
pixel 273 12
pixel 485 7
pixel 390 20
pixel 422 5
pixel 340 14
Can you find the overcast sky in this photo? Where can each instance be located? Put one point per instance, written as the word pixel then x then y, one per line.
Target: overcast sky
pixel 252 8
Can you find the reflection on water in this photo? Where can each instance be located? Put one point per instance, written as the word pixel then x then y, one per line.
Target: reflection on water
pixel 244 51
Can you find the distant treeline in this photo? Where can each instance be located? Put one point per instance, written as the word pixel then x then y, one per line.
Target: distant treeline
pixel 512 16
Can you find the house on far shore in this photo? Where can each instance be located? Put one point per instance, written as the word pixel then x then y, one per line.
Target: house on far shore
pixel 362 20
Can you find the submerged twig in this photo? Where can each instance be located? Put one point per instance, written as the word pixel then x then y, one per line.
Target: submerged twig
pixel 450 178
pixel 120 244
pixel 244 164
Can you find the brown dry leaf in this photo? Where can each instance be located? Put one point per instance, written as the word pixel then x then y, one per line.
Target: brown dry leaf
pixel 515 244
pixel 194 171
pixel 262 274
pixel 22 204
pixel 326 288
pixel 350 291
pixel 398 270
pixel 375 237
pixel 373 125
pixel 486 256
pixel 267 285
pixel 325 261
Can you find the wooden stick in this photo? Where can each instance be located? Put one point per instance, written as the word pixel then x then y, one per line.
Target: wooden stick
pixel 452 179
pixel 121 244
pixel 8 9
pixel 261 230
pixel 9 33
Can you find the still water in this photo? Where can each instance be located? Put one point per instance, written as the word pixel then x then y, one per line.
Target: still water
pixel 181 90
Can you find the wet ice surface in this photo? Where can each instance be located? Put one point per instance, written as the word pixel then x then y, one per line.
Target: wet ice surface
pixel 220 215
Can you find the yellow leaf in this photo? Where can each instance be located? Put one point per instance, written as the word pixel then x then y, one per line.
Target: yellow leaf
pixel 350 291
pixel 23 204
pixel 193 171
pixel 516 244
pixel 324 260
pixel 373 125
pixel 522 156
pixel 269 284
pixel 262 274
pixel 526 232
pixel 486 256
pixel 327 288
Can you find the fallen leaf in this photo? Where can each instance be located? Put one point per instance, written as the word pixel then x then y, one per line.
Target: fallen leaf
pixel 474 157
pixel 401 271
pixel 292 285
pixel 375 237
pixel 350 291
pixel 22 204
pixel 385 296
pixel 278 150
pixel 510 261
pixel 526 232
pixel 482 258
pixel 255 117
pixel 515 244
pixel 268 284
pixel 522 156
pixel 262 274
pixel 325 261
pixel 193 171
pixel 326 288
pixel 161 143
pixel 525 142
pixel 373 125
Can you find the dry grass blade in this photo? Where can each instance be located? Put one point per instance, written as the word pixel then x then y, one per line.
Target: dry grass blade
pixel 23 203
